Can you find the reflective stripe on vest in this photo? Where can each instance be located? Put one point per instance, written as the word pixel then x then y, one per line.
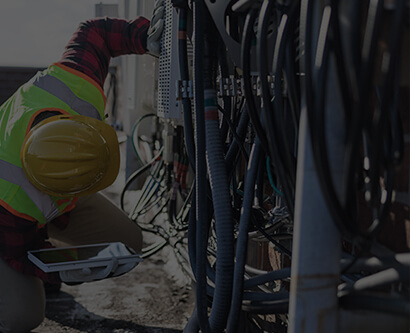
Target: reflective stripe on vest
pixel 15 175
pixel 59 89
pixel 56 88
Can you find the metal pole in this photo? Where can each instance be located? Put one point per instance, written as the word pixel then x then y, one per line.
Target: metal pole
pixel 316 251
pixel 317 245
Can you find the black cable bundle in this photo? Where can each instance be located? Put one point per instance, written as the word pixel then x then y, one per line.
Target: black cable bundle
pixel 366 124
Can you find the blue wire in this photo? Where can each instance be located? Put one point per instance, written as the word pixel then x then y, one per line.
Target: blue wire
pixel 271 178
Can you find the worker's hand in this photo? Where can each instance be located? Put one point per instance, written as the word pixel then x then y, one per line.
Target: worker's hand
pixel 155 29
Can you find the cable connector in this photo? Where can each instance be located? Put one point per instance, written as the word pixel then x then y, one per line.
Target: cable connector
pixel 229 86
pixel 184 89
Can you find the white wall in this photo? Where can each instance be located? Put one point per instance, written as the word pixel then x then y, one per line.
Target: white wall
pixel 138 72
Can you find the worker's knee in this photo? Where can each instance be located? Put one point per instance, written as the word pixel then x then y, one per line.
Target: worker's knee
pixel 22 319
pixel 95 219
pixel 22 301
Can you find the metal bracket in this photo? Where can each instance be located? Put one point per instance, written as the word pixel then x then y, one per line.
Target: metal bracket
pixel 230 86
pixel 184 89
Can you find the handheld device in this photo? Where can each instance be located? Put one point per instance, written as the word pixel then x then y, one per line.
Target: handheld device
pixel 86 262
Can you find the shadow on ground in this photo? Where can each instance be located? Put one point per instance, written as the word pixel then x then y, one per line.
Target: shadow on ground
pixel 60 309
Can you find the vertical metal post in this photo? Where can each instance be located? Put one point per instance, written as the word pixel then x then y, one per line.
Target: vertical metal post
pixel 316 244
pixel 316 251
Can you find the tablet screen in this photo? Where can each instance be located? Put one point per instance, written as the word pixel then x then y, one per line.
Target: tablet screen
pixel 72 254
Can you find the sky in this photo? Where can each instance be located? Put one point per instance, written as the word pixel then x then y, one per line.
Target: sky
pixel 35 32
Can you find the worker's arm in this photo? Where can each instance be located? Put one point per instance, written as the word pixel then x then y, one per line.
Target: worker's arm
pixel 96 41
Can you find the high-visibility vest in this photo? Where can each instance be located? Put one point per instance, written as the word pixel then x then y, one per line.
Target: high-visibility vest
pixel 58 88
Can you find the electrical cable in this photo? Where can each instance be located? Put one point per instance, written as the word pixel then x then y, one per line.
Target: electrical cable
pixel 291 72
pixel 134 132
pixel 184 74
pixel 179 173
pixel 242 239
pixel 280 274
pixel 220 193
pixel 136 174
pixel 154 248
pixel 376 138
pixel 344 214
pixel 381 122
pixel 339 54
pixel 283 37
pixel 361 95
pixel 193 322
pixel 376 302
pixel 270 177
pixel 382 278
pixel 374 264
pixel 151 187
pixel 254 114
pixel 192 231
pixel 227 101
pixel 214 238
pixel 239 136
pixel 268 307
pixel 285 172
pixel 200 175
pixel 273 241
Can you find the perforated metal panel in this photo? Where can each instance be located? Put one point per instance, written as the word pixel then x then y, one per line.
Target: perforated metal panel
pixel 168 106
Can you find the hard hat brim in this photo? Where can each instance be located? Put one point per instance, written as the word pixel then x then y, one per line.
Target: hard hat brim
pixel 113 146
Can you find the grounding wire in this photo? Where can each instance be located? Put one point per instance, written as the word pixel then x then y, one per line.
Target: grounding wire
pixel 270 177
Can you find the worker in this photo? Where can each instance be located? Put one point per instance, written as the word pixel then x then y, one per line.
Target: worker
pixel 56 154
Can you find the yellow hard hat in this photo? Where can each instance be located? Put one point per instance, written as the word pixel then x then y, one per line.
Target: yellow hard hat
pixel 70 155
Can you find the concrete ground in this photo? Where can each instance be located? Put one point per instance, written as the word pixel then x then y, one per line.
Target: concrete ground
pixel 154 297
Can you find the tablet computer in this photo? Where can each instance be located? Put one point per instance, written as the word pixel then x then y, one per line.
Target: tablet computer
pixel 84 256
